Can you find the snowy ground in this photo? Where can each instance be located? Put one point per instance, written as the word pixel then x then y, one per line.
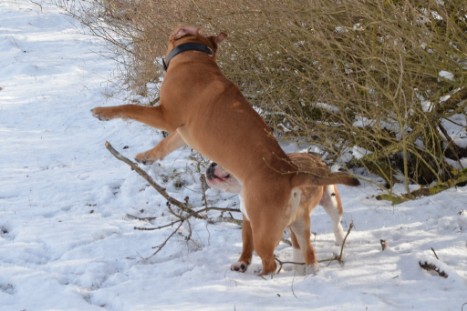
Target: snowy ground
pixel 67 242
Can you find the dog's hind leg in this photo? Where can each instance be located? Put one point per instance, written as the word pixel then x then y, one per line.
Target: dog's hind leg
pixel 162 149
pixel 269 218
pixel 332 204
pixel 297 255
pixel 301 230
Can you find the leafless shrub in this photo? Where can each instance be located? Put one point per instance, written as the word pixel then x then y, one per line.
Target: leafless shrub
pixel 346 75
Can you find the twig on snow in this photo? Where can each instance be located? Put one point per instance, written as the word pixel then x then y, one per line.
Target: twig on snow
pixel 384 244
pixel 185 209
pixel 158 228
pixel 161 246
pixel 184 206
pixel 282 263
pixel 433 267
pixel 338 258
pixel 148 218
pixel 181 205
pixel 38 4
pixel 341 261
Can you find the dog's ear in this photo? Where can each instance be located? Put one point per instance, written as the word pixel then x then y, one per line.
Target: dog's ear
pixel 220 37
pixel 215 40
pixel 184 31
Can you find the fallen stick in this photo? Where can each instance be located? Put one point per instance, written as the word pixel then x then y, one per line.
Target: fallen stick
pixel 161 246
pixel 338 258
pixel 432 267
pixel 183 206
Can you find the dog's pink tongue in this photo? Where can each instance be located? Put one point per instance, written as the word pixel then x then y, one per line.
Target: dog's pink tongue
pixel 220 179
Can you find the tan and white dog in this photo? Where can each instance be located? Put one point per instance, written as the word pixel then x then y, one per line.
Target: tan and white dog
pixel 200 107
pixel 326 196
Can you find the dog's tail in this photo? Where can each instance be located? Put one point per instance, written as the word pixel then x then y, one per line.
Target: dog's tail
pixel 308 179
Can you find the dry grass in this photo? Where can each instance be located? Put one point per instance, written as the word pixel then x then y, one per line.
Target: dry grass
pixel 336 73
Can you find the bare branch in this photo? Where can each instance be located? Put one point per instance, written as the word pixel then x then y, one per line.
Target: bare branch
pixel 183 206
pixel 432 267
pixel 338 258
pixel 148 219
pixel 161 246
pixel 185 211
pixel 160 227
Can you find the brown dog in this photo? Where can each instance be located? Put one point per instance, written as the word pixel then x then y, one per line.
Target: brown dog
pixel 209 113
pixel 327 196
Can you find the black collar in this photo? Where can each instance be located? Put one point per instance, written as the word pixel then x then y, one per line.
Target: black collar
pixel 186 47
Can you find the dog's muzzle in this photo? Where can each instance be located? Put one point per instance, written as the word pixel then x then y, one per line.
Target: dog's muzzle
pixel 210 171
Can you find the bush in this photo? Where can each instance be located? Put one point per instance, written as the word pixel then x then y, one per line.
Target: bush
pixel 371 82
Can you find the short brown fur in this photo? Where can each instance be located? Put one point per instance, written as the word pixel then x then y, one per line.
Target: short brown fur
pixel 326 196
pixel 210 114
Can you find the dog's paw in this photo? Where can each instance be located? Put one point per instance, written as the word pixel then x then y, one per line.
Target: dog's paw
pixel 239 266
pixel 312 269
pixel 143 158
pixel 300 269
pixel 101 113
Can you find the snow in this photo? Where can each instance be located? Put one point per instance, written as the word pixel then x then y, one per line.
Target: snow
pixel 446 75
pixel 67 241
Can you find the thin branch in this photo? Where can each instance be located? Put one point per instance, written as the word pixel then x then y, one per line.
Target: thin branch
pixel 335 257
pixel 184 212
pixel 183 206
pixel 343 243
pixel 161 246
pixel 451 145
pixel 160 227
pixel 148 219
pixel 204 186
pixel 38 4
pixel 293 291
pixel 220 209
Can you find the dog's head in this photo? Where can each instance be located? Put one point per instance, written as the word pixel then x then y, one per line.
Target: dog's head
pixel 218 178
pixel 192 34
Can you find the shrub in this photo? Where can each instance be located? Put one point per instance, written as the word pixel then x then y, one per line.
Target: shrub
pixel 373 83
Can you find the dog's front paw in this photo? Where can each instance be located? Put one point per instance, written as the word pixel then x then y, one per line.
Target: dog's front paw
pixel 144 158
pixel 102 113
pixel 239 266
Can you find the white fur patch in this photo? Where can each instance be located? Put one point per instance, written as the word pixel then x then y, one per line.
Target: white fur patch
pixel 297 257
pixel 243 209
pixel 239 266
pixel 295 200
